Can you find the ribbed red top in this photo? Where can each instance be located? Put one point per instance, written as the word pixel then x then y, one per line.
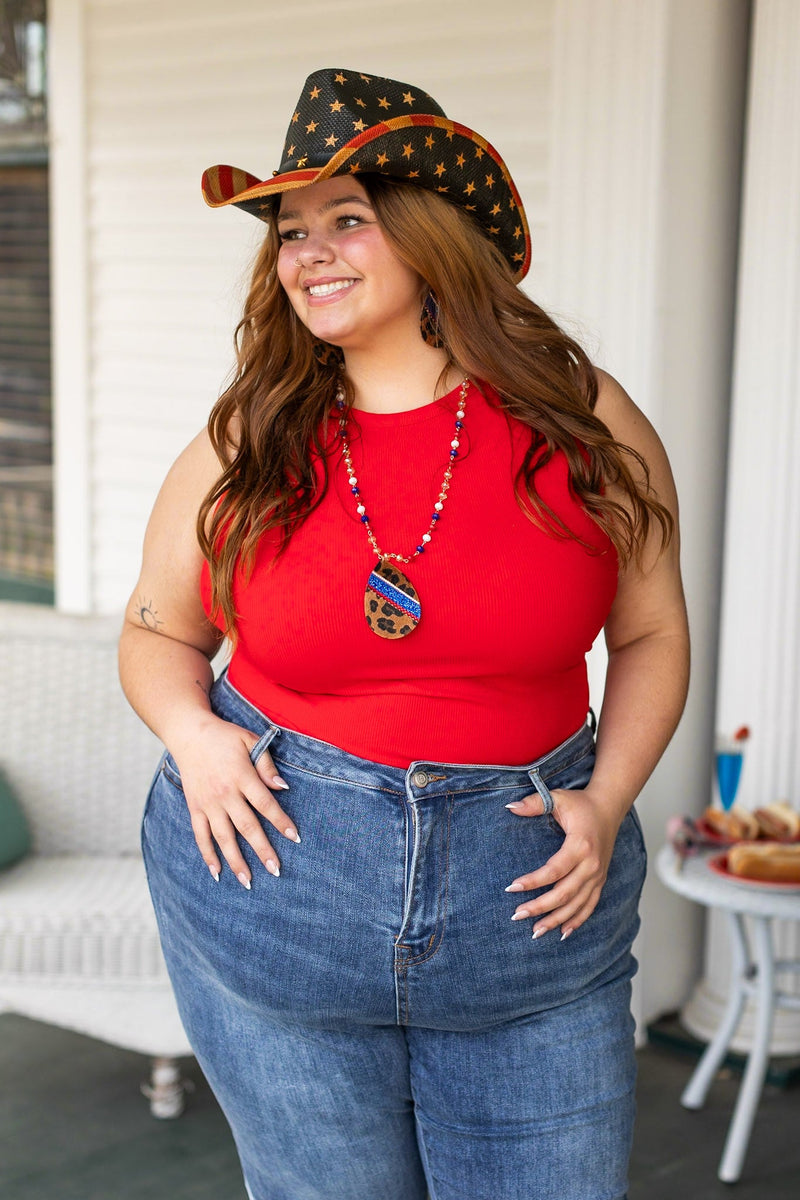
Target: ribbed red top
pixel 495 672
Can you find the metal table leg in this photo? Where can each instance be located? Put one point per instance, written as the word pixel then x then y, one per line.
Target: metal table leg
pixel 730 1167
pixel 696 1090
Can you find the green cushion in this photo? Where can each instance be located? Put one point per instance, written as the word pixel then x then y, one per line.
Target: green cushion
pixel 15 837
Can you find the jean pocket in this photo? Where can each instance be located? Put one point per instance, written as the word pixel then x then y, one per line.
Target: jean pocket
pixel 169 769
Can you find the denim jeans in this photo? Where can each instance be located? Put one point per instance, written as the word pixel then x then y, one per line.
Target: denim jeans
pixel 372 1022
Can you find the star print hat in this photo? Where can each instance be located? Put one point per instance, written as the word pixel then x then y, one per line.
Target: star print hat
pixel 348 123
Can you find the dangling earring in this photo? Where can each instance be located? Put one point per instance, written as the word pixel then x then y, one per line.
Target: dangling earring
pixel 429 322
pixel 326 354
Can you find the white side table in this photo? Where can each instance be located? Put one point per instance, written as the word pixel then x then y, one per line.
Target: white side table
pixel 752 974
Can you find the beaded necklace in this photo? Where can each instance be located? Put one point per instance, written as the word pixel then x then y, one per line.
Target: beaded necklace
pixel 391 603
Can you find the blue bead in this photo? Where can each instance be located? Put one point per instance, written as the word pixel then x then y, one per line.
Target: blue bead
pixel 365 518
pixel 459 424
pixel 454 454
pixel 354 490
pixel 420 549
pixel 435 517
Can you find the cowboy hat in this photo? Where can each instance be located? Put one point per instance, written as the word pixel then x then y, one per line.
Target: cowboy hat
pixel 348 123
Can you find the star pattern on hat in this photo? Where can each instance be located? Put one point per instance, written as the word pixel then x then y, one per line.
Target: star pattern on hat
pixel 346 123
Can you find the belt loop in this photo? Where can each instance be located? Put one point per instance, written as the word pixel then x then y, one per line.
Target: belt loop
pixel 543 790
pixel 592 720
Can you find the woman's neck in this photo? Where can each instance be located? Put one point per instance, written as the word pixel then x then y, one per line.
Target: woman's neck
pixel 398 380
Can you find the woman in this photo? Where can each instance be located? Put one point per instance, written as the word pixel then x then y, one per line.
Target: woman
pixel 412 512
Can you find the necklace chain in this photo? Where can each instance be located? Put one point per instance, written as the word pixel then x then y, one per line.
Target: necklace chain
pixel 443 491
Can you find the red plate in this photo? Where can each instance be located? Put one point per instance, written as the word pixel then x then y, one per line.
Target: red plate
pixel 719 864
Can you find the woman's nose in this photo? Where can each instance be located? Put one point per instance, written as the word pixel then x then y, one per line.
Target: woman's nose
pixel 314 248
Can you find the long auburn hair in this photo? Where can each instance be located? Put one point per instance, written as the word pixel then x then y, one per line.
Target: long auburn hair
pixel 271 423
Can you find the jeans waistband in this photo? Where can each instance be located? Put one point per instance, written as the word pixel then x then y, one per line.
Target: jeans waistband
pixel 422 778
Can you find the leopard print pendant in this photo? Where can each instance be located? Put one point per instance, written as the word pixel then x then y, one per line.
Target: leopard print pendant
pixel 391 604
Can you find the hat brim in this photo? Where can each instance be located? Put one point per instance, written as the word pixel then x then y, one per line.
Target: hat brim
pixel 223 185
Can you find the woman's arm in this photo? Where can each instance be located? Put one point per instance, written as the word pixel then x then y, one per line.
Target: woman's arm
pixel 164 653
pixel 646 683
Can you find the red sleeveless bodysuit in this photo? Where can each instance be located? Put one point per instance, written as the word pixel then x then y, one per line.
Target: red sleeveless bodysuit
pixel 495 672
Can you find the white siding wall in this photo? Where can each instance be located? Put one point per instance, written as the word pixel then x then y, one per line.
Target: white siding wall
pixel 173 86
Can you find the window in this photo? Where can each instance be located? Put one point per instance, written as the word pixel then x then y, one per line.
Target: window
pixel 26 520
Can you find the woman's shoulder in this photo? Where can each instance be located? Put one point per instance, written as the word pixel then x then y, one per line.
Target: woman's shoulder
pixel 189 480
pixel 197 467
pixel 624 419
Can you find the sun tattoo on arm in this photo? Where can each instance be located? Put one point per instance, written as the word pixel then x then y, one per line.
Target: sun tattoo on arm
pixel 148 614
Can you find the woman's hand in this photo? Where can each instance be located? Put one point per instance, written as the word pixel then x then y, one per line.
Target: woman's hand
pixel 224 791
pixel 576 874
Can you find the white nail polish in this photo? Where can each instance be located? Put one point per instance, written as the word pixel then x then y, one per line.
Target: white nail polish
pixel 243 880
pixel 565 935
pixel 293 835
pixel 214 874
pixel 279 783
pixel 537 933
pixel 515 887
pixel 272 867
pixel 519 916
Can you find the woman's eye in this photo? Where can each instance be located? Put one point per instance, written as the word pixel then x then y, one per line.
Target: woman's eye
pixel 290 235
pixel 348 222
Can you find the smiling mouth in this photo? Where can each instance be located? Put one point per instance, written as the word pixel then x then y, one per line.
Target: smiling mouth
pixel 328 289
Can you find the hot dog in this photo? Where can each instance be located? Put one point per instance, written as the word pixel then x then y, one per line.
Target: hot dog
pixel 774 862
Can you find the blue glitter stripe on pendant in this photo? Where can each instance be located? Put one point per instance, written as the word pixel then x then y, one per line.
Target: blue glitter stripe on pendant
pixel 394 595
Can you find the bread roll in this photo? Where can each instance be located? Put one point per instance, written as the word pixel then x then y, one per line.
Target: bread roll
pixel 778 820
pixel 772 862
pixel 735 824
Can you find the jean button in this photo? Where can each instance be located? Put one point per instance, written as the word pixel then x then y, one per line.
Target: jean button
pixel 419 778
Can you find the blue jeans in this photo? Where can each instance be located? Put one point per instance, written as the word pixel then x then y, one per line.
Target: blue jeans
pixel 372 1022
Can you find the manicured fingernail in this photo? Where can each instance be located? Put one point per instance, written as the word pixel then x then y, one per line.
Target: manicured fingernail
pixel 515 806
pixel 565 934
pixel 277 782
pixel 292 835
pixel 515 887
pixel 214 874
pixel 272 867
pixel 519 916
pixel 537 933
pixel 243 880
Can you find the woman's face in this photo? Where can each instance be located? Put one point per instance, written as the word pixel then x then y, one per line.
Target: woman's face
pixel 339 272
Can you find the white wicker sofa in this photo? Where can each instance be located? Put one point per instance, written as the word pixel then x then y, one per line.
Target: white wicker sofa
pixel 78 940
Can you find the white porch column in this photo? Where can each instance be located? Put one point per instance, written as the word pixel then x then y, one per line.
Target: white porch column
pixel 69 305
pixel 759 679
pixel 648 112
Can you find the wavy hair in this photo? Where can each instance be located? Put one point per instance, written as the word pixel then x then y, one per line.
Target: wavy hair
pixel 271 424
